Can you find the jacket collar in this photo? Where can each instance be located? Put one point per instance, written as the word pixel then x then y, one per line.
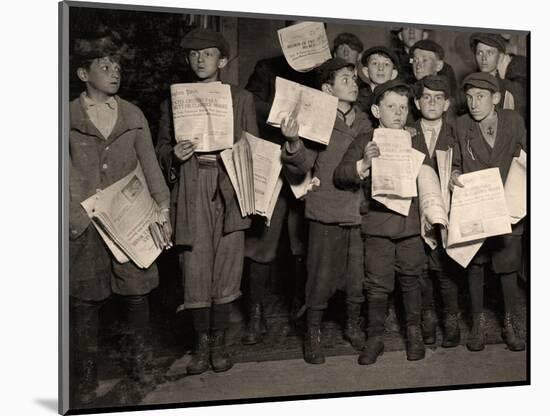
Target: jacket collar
pixel 478 145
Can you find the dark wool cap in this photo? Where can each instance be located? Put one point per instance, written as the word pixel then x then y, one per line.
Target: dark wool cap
pixel 380 90
pixel 92 48
pixel 434 83
pixel 348 39
pixel 382 50
pixel 490 39
pixel 199 39
pixel 428 45
pixel 324 71
pixel 483 80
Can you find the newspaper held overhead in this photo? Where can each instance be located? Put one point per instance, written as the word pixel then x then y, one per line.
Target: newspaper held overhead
pixel 393 171
pixel 254 166
pixel 305 45
pixel 314 110
pixel 203 114
pixel 123 214
pixel 515 188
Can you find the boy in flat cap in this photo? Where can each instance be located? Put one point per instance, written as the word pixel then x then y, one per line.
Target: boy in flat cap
pixel 432 99
pixel 108 137
pixel 209 229
pixel 491 57
pixel 490 138
pixel 378 66
pixel 392 242
pixel 335 257
pixel 404 38
pixel 348 47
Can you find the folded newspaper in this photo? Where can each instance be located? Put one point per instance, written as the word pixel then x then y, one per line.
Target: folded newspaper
pixel 254 166
pixel 305 45
pixel 125 214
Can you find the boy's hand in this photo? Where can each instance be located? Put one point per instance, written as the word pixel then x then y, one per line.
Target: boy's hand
pixel 184 150
pixel 289 128
pixel 454 181
pixel 371 151
pixel 166 227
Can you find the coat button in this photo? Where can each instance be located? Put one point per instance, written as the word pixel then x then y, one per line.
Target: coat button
pixel 104 166
pixel 97 190
pixel 74 232
pixel 107 148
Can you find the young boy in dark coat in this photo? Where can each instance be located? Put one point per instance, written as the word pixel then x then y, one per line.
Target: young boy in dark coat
pixel 490 138
pixel 432 100
pixel 208 225
pixel 392 242
pixel 335 257
pixel 108 137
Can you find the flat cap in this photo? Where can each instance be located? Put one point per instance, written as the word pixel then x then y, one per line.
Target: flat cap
pixel 394 84
pixel 483 80
pixel 348 39
pixel 382 50
pixel 491 39
pixel 199 38
pixel 97 47
pixel 323 71
pixel 428 45
pixel 434 83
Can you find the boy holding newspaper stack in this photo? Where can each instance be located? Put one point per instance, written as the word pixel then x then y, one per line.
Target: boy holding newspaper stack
pixel 490 138
pixel 392 241
pixel 209 228
pixel 108 138
pixel 335 255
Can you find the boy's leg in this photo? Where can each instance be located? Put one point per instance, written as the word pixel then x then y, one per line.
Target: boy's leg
pixel 429 318
pixel 475 273
pixel 298 239
pixel 258 275
pixel 380 282
pixel 219 358
pixel 84 323
pixel 354 276
pixel 410 262
pixel 449 297
pixel 200 361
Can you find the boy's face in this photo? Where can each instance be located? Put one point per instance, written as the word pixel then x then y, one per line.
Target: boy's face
pixel 392 110
pixel 346 53
pixel 206 63
pixel 481 102
pixel 425 63
pixel 487 57
pixel 344 87
pixel 432 104
pixel 410 35
pixel 380 69
pixel 103 76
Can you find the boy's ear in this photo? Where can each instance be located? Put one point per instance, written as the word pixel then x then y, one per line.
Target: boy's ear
pixel 417 103
pixel 439 65
pixel 365 72
pixel 393 74
pixel 222 62
pixel 447 104
pixel 375 110
pixel 82 74
pixel 326 88
pixel 496 97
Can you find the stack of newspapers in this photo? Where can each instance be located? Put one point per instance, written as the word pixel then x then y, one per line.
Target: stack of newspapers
pixel 128 220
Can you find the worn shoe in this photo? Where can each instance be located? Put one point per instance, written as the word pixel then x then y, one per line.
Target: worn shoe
pixel 451 331
pixel 353 332
pixel 256 327
pixel 476 342
pixel 219 358
pixel 374 348
pixel 199 361
pixel 509 334
pixel 429 326
pixel 415 343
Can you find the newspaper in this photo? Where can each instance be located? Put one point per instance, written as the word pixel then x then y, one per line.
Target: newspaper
pixel 254 166
pixel 515 188
pixel 393 171
pixel 444 167
pixel 432 207
pixel 123 214
pixel 478 210
pixel 314 110
pixel 300 186
pixel 305 45
pixel 203 114
pixel 464 253
pixel 402 205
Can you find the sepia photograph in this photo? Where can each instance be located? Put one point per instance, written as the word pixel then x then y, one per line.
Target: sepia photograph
pixel 261 207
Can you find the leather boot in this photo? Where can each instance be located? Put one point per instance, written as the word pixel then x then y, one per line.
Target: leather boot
pixel 199 361
pixel 510 336
pixel 219 358
pixel 313 348
pixel 476 342
pixel 87 381
pixel 376 315
pixel 256 327
pixel 353 332
pixel 451 331
pixel 429 326
pixel 415 343
pixel 141 369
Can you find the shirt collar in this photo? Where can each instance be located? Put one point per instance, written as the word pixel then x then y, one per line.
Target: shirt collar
pixel 88 102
